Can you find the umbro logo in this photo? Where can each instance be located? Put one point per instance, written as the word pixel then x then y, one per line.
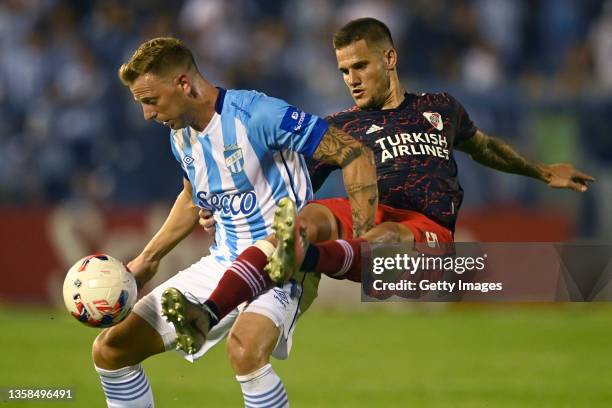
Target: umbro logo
pixel 188 160
pixel 374 128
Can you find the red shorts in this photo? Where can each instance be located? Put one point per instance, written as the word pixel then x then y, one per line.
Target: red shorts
pixel 425 231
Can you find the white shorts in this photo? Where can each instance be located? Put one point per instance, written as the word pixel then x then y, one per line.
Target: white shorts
pixel 279 304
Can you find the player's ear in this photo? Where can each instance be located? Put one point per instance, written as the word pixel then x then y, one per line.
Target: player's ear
pixel 184 82
pixel 391 58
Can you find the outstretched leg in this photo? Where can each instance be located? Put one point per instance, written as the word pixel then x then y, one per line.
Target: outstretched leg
pixel 339 259
pixel 191 325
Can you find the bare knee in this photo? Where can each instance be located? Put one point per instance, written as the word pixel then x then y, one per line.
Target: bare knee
pixel 389 233
pixel 106 353
pixel 319 223
pixel 250 342
pixel 128 343
pixel 245 354
pixel 312 229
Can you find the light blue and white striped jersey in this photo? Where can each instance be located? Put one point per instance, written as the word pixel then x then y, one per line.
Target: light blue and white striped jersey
pixel 250 155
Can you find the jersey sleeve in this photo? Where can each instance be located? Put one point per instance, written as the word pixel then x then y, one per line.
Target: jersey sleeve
pixel 279 126
pixel 465 127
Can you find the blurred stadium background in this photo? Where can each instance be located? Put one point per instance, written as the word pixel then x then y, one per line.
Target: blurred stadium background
pixel 81 171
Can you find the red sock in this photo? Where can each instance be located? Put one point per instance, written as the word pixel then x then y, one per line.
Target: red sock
pixel 242 282
pixel 340 259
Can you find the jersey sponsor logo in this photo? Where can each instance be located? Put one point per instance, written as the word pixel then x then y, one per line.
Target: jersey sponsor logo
pixel 374 128
pixel 435 119
pixel 413 144
pixel 244 203
pixel 294 120
pixel 234 160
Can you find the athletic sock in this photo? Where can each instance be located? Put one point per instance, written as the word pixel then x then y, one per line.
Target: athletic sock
pixel 243 281
pixel 126 387
pixel 339 259
pixel 263 388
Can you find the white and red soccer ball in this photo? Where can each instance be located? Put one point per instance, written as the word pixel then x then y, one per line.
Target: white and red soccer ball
pixel 99 291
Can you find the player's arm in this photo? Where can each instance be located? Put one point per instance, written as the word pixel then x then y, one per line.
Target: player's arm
pixel 495 153
pixel 279 126
pixel 358 171
pixel 182 219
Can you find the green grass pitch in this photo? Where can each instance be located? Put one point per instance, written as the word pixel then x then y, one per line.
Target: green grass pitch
pixel 552 356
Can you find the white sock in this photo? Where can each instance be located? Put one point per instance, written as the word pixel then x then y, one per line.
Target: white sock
pixel 126 387
pixel 263 389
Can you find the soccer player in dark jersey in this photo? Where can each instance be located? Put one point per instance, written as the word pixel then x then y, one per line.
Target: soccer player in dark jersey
pixel 413 137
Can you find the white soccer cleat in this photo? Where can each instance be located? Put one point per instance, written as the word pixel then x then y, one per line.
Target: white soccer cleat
pixel 291 243
pixel 190 320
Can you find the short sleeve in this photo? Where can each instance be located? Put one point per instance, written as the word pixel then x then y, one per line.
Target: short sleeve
pixel 465 127
pixel 280 126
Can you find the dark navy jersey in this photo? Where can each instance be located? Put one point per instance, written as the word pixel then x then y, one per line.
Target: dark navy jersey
pixel 413 146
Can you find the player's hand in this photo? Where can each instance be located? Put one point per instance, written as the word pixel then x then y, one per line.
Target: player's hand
pixel 142 269
pixel 564 175
pixel 206 221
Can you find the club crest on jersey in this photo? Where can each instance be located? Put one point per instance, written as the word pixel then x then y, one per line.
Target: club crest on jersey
pixel 435 119
pixel 234 160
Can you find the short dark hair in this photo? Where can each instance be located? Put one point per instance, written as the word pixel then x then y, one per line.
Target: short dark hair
pixel 369 29
pixel 156 56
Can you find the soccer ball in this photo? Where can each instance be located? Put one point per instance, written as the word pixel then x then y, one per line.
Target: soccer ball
pixel 99 291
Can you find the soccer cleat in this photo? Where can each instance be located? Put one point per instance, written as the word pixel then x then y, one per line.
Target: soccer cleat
pixel 191 320
pixel 291 243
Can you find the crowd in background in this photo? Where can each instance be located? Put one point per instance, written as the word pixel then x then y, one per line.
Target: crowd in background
pixel 536 72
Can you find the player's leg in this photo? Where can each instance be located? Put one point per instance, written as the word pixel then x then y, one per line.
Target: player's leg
pixel 389 233
pixel 117 353
pixel 265 328
pixel 341 259
pixel 128 343
pixel 319 223
pixel 249 347
pixel 242 282
pixel 294 231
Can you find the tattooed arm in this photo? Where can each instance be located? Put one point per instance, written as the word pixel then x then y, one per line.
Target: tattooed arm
pixel 495 153
pixel 358 171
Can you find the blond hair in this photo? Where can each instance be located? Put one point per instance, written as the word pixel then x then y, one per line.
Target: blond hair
pixel 157 56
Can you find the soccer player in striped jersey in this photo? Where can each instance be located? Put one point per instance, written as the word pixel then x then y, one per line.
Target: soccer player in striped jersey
pixel 241 152
pixel 413 137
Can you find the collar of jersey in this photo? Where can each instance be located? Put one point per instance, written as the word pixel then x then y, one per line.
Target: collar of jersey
pixel 218 109
pixel 220 100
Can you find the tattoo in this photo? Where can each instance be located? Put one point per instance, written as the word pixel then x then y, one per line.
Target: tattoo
pixel 355 188
pixel 359 172
pixel 495 153
pixel 363 218
pixel 338 148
